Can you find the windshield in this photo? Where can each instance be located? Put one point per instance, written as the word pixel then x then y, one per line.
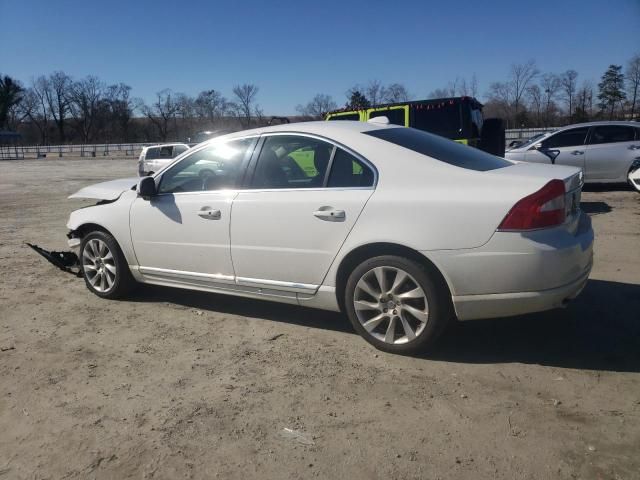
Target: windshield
pixel 440 148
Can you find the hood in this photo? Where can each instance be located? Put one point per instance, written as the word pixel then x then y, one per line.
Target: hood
pixel 110 190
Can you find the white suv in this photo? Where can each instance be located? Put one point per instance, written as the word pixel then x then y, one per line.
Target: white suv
pixel 155 157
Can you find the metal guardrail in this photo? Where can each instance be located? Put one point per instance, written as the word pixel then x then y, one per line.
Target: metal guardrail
pixel 524 133
pixel 93 150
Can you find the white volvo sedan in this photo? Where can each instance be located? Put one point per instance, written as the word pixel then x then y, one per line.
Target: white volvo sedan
pixel 400 229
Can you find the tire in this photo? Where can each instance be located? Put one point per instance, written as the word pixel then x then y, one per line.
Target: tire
pixel 419 303
pixel 635 183
pixel 104 268
pixel 492 138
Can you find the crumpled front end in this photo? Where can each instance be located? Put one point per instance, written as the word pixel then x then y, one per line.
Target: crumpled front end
pixel 66 261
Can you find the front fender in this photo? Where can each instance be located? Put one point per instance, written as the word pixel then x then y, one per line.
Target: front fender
pixel 112 217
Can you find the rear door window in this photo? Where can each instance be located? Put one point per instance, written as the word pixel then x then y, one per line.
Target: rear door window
pixel 152 153
pixel 179 149
pixel 440 148
pixel 166 152
pixel 568 138
pixel 348 171
pixel 611 134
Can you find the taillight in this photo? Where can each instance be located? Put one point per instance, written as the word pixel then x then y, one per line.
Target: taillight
pixel 542 209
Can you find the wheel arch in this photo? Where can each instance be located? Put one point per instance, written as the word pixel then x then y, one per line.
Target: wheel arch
pixel 86 228
pixel 359 254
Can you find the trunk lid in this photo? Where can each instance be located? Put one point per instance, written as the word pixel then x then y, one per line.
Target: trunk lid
pixel 537 175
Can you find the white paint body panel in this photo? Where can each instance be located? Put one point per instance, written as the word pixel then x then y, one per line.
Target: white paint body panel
pixel 275 235
pixel 168 234
pixel 106 190
pixel 268 244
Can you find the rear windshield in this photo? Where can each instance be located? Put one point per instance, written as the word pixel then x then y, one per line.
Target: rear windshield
pixel 440 148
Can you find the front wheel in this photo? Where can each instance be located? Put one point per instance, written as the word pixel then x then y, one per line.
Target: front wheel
pixel 104 267
pixel 634 177
pixel 396 305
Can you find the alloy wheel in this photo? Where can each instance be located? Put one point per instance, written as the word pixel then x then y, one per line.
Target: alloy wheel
pixel 391 305
pixel 99 265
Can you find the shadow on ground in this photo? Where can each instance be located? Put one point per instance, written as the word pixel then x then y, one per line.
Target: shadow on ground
pixel 600 330
pixel 595 208
pixel 607 187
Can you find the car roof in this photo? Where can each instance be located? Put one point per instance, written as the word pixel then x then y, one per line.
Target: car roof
pixel 601 123
pixel 166 145
pixel 344 131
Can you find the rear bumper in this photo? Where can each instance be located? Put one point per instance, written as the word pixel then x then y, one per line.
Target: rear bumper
pixel 476 307
pixel 517 273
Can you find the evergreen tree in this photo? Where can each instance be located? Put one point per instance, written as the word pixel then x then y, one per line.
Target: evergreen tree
pixel 358 101
pixel 10 95
pixel 611 89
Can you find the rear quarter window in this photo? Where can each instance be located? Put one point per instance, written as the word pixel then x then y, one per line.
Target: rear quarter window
pixel 440 148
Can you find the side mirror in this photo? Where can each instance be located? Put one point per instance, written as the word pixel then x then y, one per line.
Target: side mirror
pixel 146 187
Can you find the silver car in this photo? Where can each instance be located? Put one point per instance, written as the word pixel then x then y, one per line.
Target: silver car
pixel 607 152
pixel 155 157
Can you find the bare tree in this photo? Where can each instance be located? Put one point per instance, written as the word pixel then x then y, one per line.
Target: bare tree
pixel 584 102
pixel 568 81
pixel 473 86
pixel 121 107
pixel 210 105
pixel 39 114
pixel 162 112
pixel 536 98
pixel 56 92
pixel 185 111
pixel 246 95
pixel 520 77
pixel 85 98
pixel 318 106
pixel 396 92
pixel 441 93
pixel 375 92
pixel 500 97
pixel 632 77
pixel 550 85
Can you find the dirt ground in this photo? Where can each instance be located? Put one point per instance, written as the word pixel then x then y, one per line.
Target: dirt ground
pixel 175 384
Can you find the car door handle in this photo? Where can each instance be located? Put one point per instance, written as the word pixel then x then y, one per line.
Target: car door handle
pixel 577 152
pixel 330 214
pixel 210 213
pixel 634 147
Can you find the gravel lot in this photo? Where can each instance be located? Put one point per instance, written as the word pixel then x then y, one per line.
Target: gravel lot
pixel 176 384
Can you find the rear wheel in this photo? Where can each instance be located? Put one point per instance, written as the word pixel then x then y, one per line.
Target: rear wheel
pixel 396 305
pixel 104 267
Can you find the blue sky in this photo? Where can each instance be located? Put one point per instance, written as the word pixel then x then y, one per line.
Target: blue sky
pixel 295 49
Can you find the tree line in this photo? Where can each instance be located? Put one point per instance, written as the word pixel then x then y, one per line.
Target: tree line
pixel 56 108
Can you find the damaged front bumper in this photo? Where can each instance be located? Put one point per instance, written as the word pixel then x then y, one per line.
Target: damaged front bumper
pixel 66 261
